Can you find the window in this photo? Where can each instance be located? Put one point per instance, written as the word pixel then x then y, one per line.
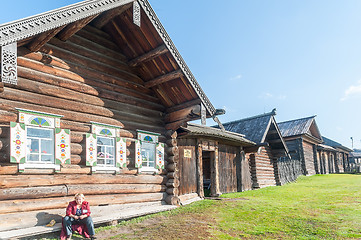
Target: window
pixel 150 152
pixel 40 145
pixel 105 151
pixel 38 142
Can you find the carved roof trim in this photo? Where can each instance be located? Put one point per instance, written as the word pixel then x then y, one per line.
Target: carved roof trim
pixel 173 50
pixel 30 26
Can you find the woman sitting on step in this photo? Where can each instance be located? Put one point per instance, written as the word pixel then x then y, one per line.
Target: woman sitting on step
pixel 78 213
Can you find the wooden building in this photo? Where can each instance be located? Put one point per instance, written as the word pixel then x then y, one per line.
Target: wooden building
pixel 302 137
pixel 263 130
pixel 212 158
pixel 332 157
pixel 90 97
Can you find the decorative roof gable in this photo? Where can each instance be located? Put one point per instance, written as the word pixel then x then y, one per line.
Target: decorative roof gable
pixel 302 126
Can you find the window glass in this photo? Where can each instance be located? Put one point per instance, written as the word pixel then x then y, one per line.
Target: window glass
pixel 148 154
pixel 105 151
pixel 40 145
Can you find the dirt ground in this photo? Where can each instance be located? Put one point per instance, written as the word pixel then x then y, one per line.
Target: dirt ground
pixel 179 226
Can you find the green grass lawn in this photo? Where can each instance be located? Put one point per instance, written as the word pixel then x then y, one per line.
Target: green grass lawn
pixel 316 207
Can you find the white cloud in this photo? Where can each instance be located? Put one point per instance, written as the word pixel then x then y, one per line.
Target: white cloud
pixel 266 96
pixel 269 96
pixel 352 90
pixel 235 78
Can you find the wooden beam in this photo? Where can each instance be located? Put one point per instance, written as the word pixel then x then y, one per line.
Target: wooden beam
pixel 72 28
pixel 42 39
pixel 107 16
pixel 183 114
pixel 164 78
pixel 149 55
pixel 178 107
pixel 1 87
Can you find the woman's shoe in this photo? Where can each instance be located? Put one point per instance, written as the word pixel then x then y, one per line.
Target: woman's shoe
pixel 93 237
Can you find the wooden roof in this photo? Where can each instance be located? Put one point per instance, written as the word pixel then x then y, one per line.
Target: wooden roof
pixel 148 49
pixel 215 133
pixel 334 144
pixel 259 129
pixel 303 126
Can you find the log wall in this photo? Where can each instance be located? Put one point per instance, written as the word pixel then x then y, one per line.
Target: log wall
pixel 262 167
pixel 84 79
pixel 308 158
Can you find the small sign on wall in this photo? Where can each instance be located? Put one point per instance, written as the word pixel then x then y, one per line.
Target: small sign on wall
pixel 187 153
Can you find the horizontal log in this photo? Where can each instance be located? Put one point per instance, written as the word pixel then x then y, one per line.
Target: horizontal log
pixel 8 169
pixel 99 37
pixel 33 192
pixel 171 151
pixel 68 115
pixel 76 137
pixel 172 191
pixel 88 189
pixel 84 52
pixel 172 200
pixel 75 160
pixel 149 55
pixel 75 126
pixel 171 134
pixel 69 56
pixel 172 175
pixel 95 189
pixel 90 82
pixel 172 142
pixel 173 159
pixel 173 183
pixel 39 212
pixel 164 78
pixel 171 167
pixel 6 116
pixel 1 86
pixel 183 113
pixel 52 180
pixel 175 125
pixel 76 148
pixel 74 169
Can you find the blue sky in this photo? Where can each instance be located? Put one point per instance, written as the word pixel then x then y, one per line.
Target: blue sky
pixel 301 57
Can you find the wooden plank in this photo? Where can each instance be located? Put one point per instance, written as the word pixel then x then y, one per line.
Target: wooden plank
pixel 74 27
pixel 164 78
pixel 105 17
pixel 41 39
pixel 7 181
pixel 149 55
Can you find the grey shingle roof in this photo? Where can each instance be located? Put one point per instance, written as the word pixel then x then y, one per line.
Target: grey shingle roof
pixel 295 127
pixel 199 130
pixel 334 144
pixel 254 128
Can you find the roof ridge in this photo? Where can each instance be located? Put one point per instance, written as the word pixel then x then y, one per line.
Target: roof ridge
pixel 272 113
pixel 296 119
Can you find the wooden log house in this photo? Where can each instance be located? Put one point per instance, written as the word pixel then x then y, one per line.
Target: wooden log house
pixel 302 137
pixel 332 157
pixel 212 159
pixel 90 97
pixel 263 130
